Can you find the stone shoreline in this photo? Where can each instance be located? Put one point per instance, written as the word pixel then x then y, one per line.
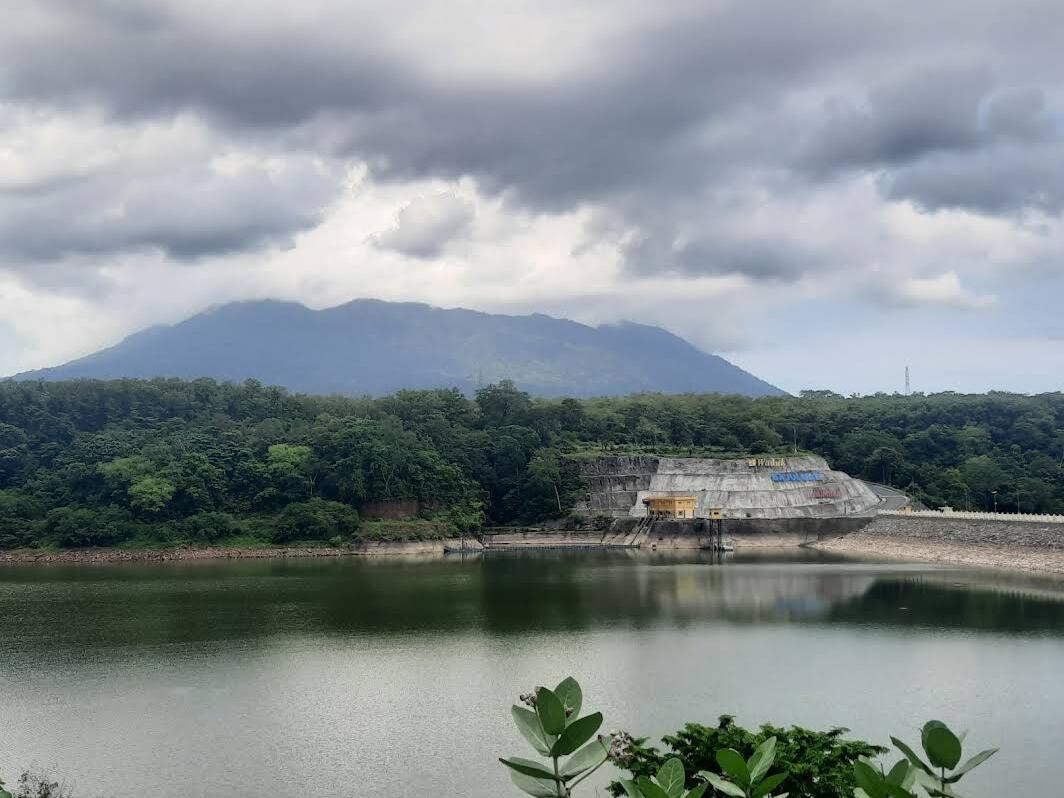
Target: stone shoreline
pixel 105 556
pixel 1013 557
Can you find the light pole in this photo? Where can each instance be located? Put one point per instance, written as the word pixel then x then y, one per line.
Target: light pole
pixel 995 500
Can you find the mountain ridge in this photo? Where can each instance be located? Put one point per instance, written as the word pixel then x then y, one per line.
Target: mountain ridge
pixel 374 347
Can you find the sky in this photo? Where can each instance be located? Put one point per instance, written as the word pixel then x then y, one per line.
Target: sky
pixel 823 193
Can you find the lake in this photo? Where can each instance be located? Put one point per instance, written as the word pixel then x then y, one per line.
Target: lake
pixel 394 676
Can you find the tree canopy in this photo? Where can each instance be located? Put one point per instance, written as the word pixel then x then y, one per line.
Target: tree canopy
pixel 91 462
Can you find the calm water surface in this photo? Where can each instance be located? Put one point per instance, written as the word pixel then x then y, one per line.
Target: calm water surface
pixel 393 677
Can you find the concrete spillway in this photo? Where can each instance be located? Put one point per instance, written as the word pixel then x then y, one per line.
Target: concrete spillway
pixel 757 487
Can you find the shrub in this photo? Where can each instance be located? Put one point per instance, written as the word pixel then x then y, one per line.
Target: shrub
pixel 317 519
pixel 819 764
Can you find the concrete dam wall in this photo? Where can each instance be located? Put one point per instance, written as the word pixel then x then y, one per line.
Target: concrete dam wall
pixel 776 488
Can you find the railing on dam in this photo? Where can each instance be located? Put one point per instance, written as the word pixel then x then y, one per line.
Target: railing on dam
pixel 976 516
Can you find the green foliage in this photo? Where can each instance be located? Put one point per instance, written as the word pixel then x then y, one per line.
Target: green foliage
pixel 943 751
pixel 873 782
pixel 667 782
pixel 552 725
pixel 317 519
pixel 748 778
pixel 818 764
pixel 815 764
pixel 150 495
pixel 86 463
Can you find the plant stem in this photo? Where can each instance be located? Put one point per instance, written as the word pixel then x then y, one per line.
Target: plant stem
pixel 577 781
pixel 558 786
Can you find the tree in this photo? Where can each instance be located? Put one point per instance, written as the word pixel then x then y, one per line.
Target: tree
pixel 150 495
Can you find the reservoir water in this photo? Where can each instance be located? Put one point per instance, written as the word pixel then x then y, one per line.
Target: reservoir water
pixel 394 676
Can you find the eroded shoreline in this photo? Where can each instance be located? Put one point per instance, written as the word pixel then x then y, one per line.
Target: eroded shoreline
pixel 107 556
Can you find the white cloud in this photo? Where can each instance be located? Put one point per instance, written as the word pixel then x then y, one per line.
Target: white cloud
pixel 500 158
pixel 945 289
pixel 424 226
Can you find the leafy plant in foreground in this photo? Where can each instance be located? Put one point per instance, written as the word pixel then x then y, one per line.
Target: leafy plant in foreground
pixel 943 750
pixel 819 763
pixel 668 782
pixel 553 728
pixel 749 777
pixel 872 782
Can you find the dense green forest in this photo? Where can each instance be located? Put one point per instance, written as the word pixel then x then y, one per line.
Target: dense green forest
pixel 93 463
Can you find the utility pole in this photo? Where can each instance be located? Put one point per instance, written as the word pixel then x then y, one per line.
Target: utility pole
pixel 907 391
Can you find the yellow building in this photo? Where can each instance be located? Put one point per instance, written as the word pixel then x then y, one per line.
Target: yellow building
pixel 670 506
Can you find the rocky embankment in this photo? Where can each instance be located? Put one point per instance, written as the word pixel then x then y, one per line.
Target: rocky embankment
pixel 1017 545
pixel 92 556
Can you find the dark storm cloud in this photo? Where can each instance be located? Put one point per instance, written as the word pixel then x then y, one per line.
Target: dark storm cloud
pixel 1019 115
pixel 187 214
pixel 999 180
pixel 140 61
pixel 753 256
pixel 657 125
pixel 922 112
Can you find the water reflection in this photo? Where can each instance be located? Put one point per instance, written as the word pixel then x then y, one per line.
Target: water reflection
pixel 61 613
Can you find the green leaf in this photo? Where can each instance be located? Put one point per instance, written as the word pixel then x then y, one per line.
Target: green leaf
pixel 528 768
pixel 532 730
pixel 631 789
pixel 859 793
pixel 869 779
pixel 941 745
pixel 697 792
pixel 732 762
pixel 911 755
pixel 901 773
pixel 590 756
pixel 671 777
pixel 570 695
pixel 762 760
pixel 768 785
pixel 897 791
pixel 650 789
pixel 550 711
pixel 927 727
pixel 722 785
pixel 540 788
pixel 576 734
pixel 971 764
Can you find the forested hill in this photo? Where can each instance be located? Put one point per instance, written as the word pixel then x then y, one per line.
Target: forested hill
pixel 368 347
pixel 101 463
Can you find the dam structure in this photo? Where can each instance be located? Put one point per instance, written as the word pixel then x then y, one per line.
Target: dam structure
pixel 757 495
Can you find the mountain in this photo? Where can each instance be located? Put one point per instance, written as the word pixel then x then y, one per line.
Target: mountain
pixel 373 347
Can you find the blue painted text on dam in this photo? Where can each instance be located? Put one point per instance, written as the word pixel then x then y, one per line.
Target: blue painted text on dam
pixel 797 476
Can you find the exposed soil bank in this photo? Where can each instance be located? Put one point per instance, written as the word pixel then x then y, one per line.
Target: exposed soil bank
pixel 996 544
pixel 90 556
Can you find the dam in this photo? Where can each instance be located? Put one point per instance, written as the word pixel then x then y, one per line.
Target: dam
pixel 798 487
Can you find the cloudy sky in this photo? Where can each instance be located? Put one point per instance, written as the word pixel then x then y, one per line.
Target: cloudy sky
pixel 822 192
